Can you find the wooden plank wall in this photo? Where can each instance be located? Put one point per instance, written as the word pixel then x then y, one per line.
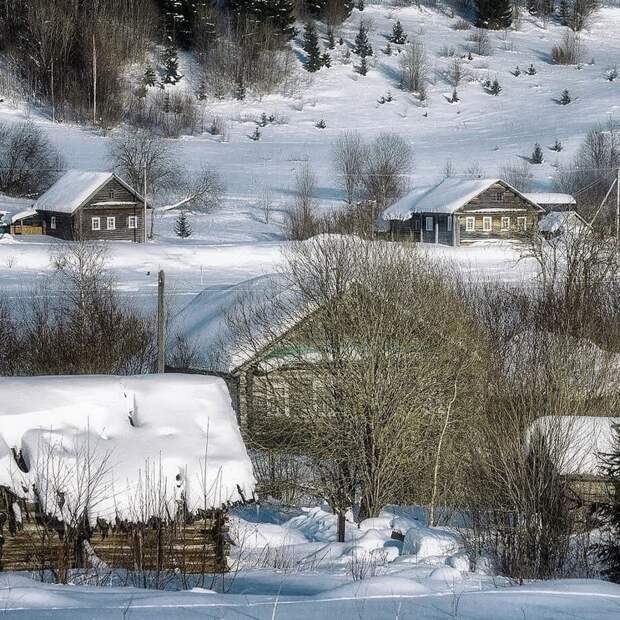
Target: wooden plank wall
pixel 195 545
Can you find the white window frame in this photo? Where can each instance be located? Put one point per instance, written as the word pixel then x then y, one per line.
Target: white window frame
pixel 470 223
pixel 110 219
pixel 505 226
pixel 132 222
pixel 95 223
pixel 449 224
pixel 53 222
pixel 522 223
pixel 429 219
pixel 487 223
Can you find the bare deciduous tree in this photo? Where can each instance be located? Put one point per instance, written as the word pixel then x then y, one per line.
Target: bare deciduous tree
pixel 388 168
pixel 302 221
pixel 414 66
pixel 350 154
pixel 28 162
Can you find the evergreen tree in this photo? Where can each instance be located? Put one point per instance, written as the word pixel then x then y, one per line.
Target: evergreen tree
pixel 398 35
pixel 565 99
pixel 201 93
pixel 362 69
pixel 494 14
pixel 537 154
pixel 182 226
pixel 171 64
pixel 362 45
pixel 609 548
pixel 149 78
pixel 531 70
pixel 178 19
pixel 311 47
pixel 557 146
pixel 361 5
pixel 326 60
pixel 239 91
pixel 494 87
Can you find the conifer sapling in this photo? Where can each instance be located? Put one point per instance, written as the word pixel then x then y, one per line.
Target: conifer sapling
pixel 537 154
pixel 182 227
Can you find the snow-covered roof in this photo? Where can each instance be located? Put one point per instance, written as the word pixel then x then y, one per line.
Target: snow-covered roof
pixel 557 221
pixel 446 197
pixel 206 320
pixel 550 198
pixel 73 189
pixel 578 441
pixel 179 430
pixel 13 209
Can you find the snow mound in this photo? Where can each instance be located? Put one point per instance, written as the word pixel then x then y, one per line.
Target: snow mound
pixel 380 586
pixel 430 542
pixel 447 575
pixel 173 437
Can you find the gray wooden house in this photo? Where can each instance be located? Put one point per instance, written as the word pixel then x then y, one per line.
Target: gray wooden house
pixel 459 211
pixel 92 205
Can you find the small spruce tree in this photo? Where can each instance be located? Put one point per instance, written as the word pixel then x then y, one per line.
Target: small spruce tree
pixel 517 71
pixel 537 154
pixel 256 136
pixel 362 69
pixel 171 64
pixel 362 45
pixel 565 99
pixel 609 514
pixel 531 70
pixel 455 97
pixel 149 78
pixel 326 60
pixel 388 49
pixel 182 226
pixel 398 35
pixel 311 47
pixel 557 146
pixel 239 90
pixel 361 5
pixel 201 93
pixel 494 87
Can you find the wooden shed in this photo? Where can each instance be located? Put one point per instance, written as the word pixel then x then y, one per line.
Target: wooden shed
pixel 129 472
pixel 92 205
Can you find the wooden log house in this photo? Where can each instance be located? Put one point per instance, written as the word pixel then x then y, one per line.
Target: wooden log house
pixel 92 206
pixel 461 211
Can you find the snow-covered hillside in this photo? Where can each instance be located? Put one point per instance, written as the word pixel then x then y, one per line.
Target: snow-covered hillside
pixel 480 128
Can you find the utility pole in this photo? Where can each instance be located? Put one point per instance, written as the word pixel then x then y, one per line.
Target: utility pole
pixel 94 81
pixel 144 196
pixel 618 205
pixel 161 322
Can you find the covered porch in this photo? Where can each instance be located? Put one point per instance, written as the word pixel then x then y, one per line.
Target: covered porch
pixel 426 228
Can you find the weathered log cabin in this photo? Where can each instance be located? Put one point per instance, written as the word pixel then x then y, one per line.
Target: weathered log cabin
pixel 128 472
pixel 460 211
pixel 92 205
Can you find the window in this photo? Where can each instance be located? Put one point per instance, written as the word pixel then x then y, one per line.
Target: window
pixel 522 223
pixel 53 222
pixel 497 196
pixel 111 223
pixel 470 224
pixel 429 223
pixel 505 223
pixel 487 223
pixel 449 223
pixel 132 221
pixel 111 194
pixel 95 223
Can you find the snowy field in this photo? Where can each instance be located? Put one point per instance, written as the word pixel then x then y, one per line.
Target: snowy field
pixel 289 567
pixel 234 242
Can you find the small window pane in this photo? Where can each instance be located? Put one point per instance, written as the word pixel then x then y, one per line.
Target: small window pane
pixel 111 223
pixel 96 223
pixel 487 224
pixel 53 222
pixel 429 223
pixel 132 221
pixel 449 223
pixel 470 224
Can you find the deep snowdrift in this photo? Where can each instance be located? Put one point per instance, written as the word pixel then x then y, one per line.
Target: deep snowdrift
pixel 141 441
